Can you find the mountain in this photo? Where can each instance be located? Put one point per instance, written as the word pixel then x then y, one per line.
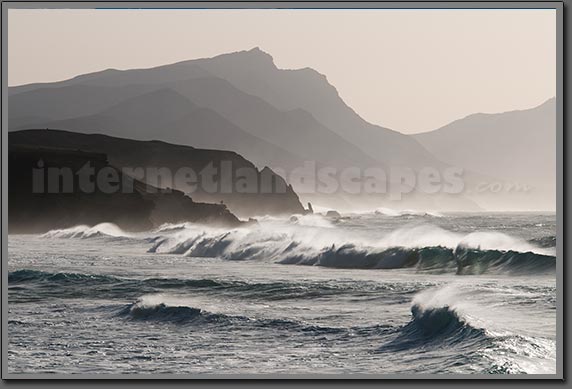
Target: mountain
pixel 151 157
pixel 146 116
pixel 255 73
pixel 512 148
pixel 61 102
pixel 281 118
pixel 298 110
pixel 141 207
pixel 202 112
pixel 295 130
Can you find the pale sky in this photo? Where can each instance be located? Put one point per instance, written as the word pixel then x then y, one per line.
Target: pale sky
pixel 409 70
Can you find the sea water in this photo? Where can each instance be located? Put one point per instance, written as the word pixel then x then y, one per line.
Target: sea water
pixel 380 292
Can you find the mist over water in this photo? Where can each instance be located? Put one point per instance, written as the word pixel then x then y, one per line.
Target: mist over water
pixel 375 292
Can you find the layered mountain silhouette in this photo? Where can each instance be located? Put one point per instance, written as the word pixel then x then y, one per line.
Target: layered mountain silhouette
pixel 298 111
pixel 165 114
pixel 306 89
pixel 273 117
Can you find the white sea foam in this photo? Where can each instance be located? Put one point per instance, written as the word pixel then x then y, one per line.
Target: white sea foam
pixel 287 241
pixel 84 231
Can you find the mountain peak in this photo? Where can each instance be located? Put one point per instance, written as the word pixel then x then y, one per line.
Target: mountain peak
pixel 259 53
pixel 253 58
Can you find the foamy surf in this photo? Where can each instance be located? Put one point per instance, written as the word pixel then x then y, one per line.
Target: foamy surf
pixel 392 292
pixel 425 247
pixel 449 317
pixel 84 232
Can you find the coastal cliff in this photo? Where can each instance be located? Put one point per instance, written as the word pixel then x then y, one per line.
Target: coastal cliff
pixel 45 193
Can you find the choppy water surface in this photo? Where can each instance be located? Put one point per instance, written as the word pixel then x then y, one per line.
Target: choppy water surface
pixel 377 293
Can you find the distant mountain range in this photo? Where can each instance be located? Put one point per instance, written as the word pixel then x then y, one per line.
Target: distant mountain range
pixel 281 118
pixel 516 148
pixel 290 109
pixel 517 144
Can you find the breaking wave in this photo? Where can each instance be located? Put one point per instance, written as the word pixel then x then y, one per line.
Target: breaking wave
pixel 147 308
pixel 425 248
pixel 453 320
pixel 440 319
pixel 165 309
pixel 438 327
pixel 316 241
pixel 84 232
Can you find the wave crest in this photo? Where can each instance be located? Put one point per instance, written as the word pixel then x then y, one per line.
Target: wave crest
pixel 422 248
pixel 150 308
pixel 84 232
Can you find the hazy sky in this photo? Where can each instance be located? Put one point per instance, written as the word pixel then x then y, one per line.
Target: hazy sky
pixel 410 70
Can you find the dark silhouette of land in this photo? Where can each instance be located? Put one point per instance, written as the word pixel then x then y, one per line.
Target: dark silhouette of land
pixel 278 198
pixel 142 208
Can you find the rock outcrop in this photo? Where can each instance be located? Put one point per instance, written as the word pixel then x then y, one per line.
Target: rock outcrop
pixel 45 193
pixel 221 176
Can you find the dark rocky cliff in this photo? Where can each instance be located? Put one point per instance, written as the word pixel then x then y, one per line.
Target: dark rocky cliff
pixel 278 199
pixel 36 205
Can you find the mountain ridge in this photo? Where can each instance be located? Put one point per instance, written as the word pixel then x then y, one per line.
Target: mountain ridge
pixel 244 102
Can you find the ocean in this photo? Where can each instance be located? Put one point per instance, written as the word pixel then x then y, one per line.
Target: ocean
pixel 372 293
